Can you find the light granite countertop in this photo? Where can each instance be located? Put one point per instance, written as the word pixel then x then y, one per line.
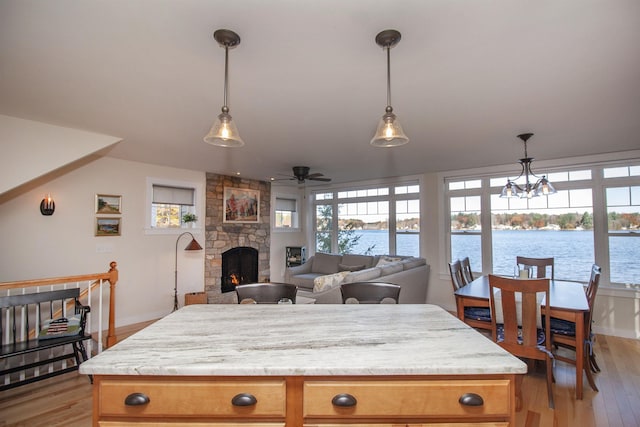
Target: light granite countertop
pixel 305 340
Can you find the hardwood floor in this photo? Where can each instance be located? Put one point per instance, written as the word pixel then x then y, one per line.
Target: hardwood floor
pixel 66 400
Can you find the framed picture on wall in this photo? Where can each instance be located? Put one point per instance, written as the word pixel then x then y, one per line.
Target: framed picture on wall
pixel 106 226
pixel 108 204
pixel 241 205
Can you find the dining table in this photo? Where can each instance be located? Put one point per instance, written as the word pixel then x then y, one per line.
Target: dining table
pixel 568 301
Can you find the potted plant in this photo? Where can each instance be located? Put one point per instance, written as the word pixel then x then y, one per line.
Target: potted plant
pixel 189 219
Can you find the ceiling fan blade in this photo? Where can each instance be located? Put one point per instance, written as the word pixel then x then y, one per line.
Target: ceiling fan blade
pixel 314 175
pixel 319 179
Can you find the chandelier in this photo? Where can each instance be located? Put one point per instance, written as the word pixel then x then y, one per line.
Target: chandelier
pixel 541 185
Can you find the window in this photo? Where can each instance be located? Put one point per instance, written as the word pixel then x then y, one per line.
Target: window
pixel 569 225
pixel 376 220
pixel 623 223
pixel 169 201
pixel 286 212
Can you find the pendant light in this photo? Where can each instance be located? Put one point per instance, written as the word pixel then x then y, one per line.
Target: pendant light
pixel 389 132
pixel 224 132
pixel 541 187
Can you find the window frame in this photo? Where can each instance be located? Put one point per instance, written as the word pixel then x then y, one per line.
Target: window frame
pixel 339 198
pixel 296 219
pixel 198 194
pixel 598 185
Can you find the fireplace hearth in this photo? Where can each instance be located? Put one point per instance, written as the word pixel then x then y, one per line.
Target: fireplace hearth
pixel 239 266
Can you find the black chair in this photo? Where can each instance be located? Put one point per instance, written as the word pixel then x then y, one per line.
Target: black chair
pixel 266 293
pixel 369 293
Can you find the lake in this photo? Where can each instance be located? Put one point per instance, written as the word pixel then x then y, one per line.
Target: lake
pixel 573 251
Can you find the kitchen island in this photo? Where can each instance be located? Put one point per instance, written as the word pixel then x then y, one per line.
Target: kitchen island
pixel 312 365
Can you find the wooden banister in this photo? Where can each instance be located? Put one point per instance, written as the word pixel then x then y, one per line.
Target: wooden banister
pixel 113 279
pixel 111 276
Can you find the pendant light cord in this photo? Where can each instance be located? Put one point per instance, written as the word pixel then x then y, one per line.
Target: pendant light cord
pixel 388 76
pixel 226 81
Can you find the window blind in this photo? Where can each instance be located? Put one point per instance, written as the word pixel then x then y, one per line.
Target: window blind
pixel 173 195
pixel 288 205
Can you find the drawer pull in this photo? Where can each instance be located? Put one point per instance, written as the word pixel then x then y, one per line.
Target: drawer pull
pixel 471 399
pixel 136 399
pixel 244 399
pixel 344 399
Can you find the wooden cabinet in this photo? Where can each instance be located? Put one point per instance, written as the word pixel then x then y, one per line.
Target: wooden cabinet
pixel 304 401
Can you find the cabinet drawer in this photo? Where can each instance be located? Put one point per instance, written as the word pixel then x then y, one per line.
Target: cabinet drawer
pixel 169 397
pixel 412 398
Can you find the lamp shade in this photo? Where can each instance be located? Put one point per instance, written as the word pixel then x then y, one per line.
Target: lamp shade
pixel 224 132
pixel 193 246
pixel 389 132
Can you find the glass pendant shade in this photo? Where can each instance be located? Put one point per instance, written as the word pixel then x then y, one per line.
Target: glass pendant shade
pixel 545 188
pixel 389 132
pixel 509 191
pixel 224 132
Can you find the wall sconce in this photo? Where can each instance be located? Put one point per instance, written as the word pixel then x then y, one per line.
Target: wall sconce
pixel 47 206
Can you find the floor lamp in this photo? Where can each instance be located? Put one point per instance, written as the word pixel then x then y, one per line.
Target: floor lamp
pixel 193 246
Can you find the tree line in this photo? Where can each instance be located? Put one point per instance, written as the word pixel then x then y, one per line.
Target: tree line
pixel 532 221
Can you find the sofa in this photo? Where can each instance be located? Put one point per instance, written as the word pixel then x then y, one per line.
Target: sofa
pixel 321 276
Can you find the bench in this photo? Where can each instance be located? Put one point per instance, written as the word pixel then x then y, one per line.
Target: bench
pixel 30 323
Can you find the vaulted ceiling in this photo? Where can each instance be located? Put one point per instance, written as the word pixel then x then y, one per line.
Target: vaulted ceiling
pixel 308 82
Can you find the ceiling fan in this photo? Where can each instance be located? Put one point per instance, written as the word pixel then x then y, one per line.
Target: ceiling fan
pixel 301 174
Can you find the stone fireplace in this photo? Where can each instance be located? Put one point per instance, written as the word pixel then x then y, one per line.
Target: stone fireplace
pixel 222 237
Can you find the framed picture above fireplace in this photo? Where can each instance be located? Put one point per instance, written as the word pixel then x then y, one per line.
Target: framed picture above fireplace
pixel 241 205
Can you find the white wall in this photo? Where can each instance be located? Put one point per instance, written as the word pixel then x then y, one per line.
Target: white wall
pixel 32 149
pixel 36 246
pixel 280 239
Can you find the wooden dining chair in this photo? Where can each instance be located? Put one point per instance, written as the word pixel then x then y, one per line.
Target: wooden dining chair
pixel 369 293
pixel 540 265
pixel 467 274
pixel 519 333
pixel 563 332
pixel 477 317
pixel 455 270
pixel 266 293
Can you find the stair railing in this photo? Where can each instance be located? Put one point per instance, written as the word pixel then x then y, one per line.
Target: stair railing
pixel 87 283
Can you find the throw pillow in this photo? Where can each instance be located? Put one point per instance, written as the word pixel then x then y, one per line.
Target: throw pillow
pixel 343 267
pixel 325 263
pixel 387 260
pixel 60 327
pixel 329 281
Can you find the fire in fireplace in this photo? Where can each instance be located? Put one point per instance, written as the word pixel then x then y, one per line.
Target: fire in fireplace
pixel 239 266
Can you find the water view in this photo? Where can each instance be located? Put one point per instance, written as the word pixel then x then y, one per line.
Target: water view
pixel 573 251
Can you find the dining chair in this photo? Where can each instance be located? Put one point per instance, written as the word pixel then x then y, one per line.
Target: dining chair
pixel 266 293
pixel 455 270
pixel 563 332
pixel 467 274
pixel 369 293
pixel 518 331
pixel 540 265
pixel 477 317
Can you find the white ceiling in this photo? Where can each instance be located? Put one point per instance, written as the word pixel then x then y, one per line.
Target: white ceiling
pixel 308 82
